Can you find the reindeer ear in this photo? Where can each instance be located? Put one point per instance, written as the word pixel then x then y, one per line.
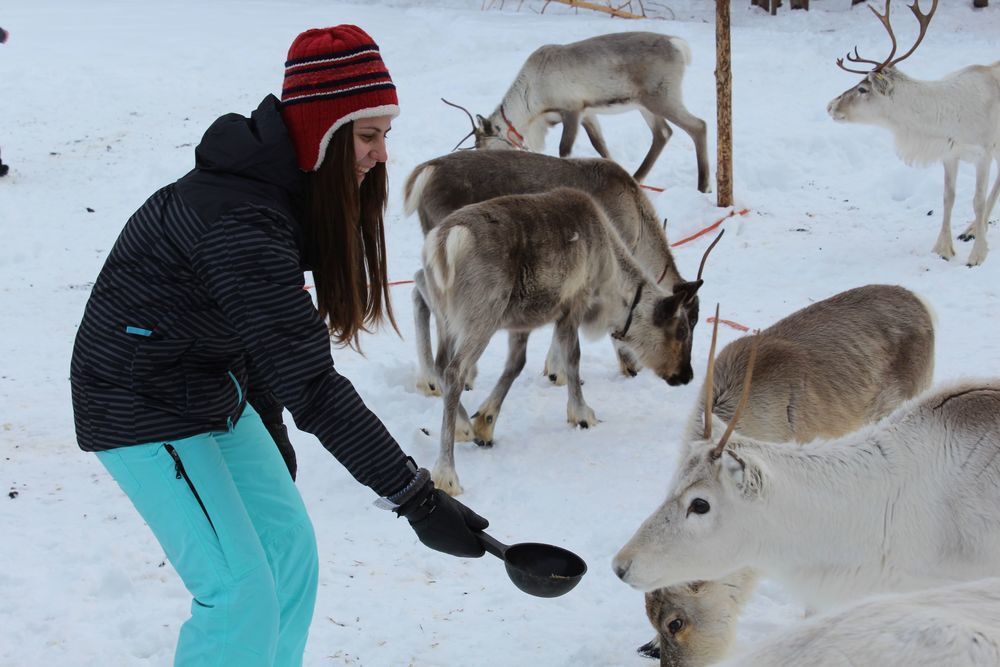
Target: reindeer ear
pixel 880 82
pixel 747 476
pixel 665 309
pixel 686 291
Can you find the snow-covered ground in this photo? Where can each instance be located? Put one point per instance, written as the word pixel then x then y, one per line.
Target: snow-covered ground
pixel 102 102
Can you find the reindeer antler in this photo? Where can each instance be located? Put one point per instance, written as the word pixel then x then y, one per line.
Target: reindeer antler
pixel 471 119
pixel 923 19
pixel 710 376
pixel 701 267
pixel 744 398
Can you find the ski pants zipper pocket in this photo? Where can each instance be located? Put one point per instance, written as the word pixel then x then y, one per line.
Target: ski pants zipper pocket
pixel 182 474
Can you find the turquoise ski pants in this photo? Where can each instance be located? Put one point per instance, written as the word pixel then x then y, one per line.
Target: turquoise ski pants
pixel 233 525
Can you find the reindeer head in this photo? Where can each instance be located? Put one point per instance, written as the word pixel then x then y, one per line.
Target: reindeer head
pixel 660 328
pixel 497 132
pixel 701 529
pixel 696 622
pixel 870 101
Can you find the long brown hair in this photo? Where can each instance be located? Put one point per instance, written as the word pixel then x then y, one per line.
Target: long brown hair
pixel 344 232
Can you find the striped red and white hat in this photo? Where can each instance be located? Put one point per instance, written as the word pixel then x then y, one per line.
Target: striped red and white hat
pixel 332 76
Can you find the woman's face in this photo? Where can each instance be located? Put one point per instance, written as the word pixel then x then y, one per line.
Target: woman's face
pixel 369 143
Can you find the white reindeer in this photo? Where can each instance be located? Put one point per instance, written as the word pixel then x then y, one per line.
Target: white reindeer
pixel 823 371
pixel 910 502
pixel 953 119
pixel 518 262
pixel 945 626
pixel 570 83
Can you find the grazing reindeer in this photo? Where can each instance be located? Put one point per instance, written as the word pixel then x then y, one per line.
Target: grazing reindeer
pixel 823 371
pixel 570 83
pixel 441 186
pixel 946 625
pixel 909 502
pixel 953 119
pixel 521 261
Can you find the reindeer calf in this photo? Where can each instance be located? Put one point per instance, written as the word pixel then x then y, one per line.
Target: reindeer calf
pixel 519 262
pixel 823 371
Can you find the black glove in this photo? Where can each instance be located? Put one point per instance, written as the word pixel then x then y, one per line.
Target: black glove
pixel 442 523
pixel 279 433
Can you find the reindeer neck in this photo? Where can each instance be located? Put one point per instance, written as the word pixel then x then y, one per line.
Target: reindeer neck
pixel 830 497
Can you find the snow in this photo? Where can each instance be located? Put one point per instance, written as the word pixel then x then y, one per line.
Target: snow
pixel 102 103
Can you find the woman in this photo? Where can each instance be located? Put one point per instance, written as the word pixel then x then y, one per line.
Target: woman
pixel 199 321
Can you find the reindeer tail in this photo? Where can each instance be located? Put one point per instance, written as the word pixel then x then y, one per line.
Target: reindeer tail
pixel 414 188
pixel 443 250
pixel 682 46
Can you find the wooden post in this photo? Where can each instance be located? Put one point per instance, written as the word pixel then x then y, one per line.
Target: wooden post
pixel 724 105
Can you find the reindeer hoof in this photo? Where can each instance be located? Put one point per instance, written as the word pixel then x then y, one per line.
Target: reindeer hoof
pixel 966 237
pixel 428 388
pixel 488 444
pixel 447 481
pixel 583 425
pixel 468 387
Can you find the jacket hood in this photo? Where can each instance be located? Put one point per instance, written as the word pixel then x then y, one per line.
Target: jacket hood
pixel 257 148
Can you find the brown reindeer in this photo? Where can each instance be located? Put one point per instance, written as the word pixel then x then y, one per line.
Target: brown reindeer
pixel 443 185
pixel 518 262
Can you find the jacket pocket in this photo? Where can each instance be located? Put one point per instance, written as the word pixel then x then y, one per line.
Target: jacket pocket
pixel 159 372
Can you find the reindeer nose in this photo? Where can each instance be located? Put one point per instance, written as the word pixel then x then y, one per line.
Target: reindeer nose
pixel 682 377
pixel 622 569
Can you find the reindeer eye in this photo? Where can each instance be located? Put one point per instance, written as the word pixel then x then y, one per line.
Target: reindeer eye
pixel 675 625
pixel 862 90
pixel 699 506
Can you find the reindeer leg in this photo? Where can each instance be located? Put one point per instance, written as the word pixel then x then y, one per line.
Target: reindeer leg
pixel 980 248
pixel 427 380
pixel 571 124
pixel 485 419
pixel 991 202
pixel 452 371
pixel 554 369
pixel 593 129
pixel 627 363
pixel 446 349
pixel 578 412
pixel 944 246
pixel 695 128
pixel 661 135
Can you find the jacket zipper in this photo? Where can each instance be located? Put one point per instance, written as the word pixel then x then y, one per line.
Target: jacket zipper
pixel 182 474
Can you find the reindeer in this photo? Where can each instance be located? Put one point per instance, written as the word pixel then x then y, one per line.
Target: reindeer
pixel 909 502
pixel 823 371
pixel 953 119
pixel 518 262
pixel 440 186
pixel 571 83
pixel 945 625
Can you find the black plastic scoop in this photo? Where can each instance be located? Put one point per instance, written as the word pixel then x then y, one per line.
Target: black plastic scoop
pixel 543 570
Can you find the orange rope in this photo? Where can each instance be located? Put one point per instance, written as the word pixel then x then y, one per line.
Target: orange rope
pixel 735 325
pixel 712 226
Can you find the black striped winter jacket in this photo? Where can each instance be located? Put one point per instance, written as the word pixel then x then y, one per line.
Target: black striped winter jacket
pixel 202 302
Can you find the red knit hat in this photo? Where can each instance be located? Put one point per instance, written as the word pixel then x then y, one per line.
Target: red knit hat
pixel 332 76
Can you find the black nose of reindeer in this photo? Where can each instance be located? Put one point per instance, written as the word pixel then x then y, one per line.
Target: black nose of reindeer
pixel 622 570
pixel 681 377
